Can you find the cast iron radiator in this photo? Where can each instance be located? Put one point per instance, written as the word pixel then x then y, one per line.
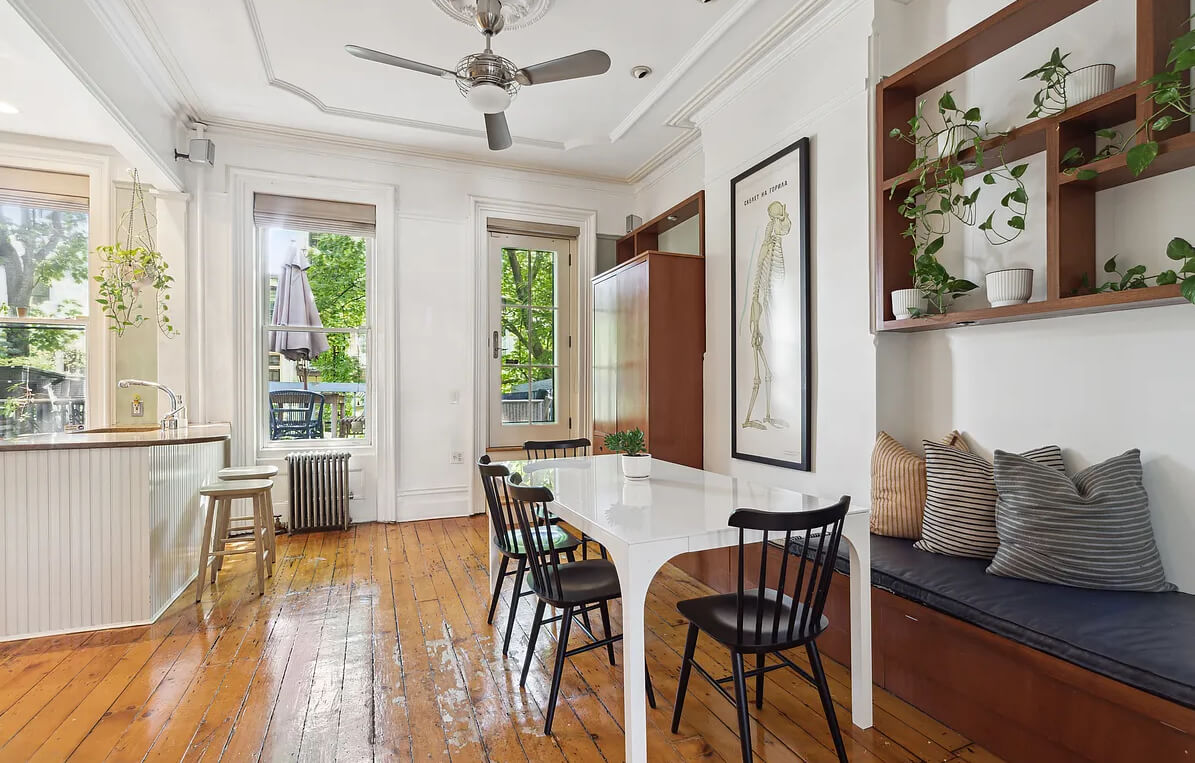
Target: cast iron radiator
pixel 319 490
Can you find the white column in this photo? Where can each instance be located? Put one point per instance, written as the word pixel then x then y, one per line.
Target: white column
pixel 174 353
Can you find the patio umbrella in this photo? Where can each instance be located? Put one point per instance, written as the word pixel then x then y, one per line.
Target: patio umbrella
pixel 295 306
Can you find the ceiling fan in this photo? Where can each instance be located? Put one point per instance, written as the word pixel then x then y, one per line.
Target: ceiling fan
pixel 490 82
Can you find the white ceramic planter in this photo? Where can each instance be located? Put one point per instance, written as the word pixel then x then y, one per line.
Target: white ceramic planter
pixel 1010 287
pixel 957 137
pixel 904 301
pixel 636 467
pixel 1089 82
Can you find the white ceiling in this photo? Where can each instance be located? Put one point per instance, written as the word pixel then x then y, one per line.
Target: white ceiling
pixel 281 63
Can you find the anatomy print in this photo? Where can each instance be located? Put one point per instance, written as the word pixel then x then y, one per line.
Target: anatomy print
pixel 769 274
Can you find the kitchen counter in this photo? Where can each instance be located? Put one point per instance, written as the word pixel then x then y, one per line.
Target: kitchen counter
pixel 119 437
pixel 101 529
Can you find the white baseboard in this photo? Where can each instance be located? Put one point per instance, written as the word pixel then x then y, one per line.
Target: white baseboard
pixel 434 503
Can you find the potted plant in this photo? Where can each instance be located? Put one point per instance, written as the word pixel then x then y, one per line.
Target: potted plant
pixel 1011 286
pixel 636 461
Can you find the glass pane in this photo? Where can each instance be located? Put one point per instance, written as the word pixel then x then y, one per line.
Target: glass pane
pixel 43 270
pixel 543 279
pixel 514 276
pixel 324 270
pixel 543 395
pixel 317 385
pixel 543 337
pixel 516 404
pixel 514 336
pixel 42 379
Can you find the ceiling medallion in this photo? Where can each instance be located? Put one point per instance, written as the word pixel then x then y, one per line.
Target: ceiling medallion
pixel 517 13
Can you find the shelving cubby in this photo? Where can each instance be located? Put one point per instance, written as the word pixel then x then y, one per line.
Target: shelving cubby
pixel 1070 207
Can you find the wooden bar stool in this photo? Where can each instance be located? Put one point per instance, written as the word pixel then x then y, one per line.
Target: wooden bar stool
pixel 260 472
pixel 215 543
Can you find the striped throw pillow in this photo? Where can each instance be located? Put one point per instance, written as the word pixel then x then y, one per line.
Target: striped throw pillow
pixel 960 502
pixel 898 486
pixel 1092 531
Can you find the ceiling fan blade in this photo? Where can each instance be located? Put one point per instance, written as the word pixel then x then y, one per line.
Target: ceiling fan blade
pixel 498 132
pixel 586 64
pixel 404 63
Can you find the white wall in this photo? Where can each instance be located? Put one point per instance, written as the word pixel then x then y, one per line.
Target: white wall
pixel 433 292
pixel 774 105
pixel 1096 385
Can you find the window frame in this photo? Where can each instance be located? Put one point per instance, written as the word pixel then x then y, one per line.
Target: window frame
pixel 262 369
pixel 99 348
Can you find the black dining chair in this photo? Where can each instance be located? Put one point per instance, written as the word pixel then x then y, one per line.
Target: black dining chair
pixel 763 620
pixel 575 587
pixel 511 542
pixel 542 450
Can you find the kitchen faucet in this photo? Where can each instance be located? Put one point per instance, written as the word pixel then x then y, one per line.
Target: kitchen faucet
pixel 170 420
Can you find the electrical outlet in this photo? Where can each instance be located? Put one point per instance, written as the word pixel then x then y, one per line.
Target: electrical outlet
pixel 138 407
pixel 458 457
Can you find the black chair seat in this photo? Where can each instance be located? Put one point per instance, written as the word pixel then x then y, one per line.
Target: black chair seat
pixel 580 582
pixel 718 617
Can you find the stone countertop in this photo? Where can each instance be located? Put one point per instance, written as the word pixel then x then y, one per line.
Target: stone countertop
pixel 118 437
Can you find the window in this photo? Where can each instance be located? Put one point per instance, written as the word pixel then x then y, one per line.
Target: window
pixel 43 301
pixel 315 323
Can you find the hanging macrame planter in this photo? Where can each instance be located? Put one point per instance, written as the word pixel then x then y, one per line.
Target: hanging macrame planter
pixel 127 271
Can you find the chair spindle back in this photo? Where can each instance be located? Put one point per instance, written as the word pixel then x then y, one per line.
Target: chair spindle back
pixel 538 450
pixel 820 532
pixel 530 508
pixel 499 502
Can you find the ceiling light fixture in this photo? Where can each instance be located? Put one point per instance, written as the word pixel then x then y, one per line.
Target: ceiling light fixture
pixel 488 98
pixel 641 72
pixel 8 108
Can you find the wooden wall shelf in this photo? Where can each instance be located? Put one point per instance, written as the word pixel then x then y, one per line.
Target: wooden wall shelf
pixel 1070 202
pixel 646 238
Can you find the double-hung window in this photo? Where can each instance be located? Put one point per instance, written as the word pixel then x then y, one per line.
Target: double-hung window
pixel 315 257
pixel 43 301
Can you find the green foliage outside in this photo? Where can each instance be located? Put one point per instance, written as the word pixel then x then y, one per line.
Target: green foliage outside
pixel 528 317
pixel 337 277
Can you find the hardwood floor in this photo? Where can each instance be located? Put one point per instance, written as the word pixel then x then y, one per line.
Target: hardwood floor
pixel 372 645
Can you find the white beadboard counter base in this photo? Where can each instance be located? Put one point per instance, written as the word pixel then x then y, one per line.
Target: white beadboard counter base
pixel 99 537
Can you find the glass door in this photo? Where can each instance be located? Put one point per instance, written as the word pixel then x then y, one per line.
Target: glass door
pixel 531 346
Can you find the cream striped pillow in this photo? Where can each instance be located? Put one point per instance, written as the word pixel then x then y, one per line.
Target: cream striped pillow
pixel 898 486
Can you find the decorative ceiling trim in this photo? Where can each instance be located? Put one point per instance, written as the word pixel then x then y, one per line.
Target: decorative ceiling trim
pixel 180 87
pixel 517 14
pixel 667 155
pixel 275 81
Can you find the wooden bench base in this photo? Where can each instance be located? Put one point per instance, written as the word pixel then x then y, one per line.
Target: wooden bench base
pixel 1018 702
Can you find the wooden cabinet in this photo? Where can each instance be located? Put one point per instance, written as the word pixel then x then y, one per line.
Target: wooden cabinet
pixel 648 349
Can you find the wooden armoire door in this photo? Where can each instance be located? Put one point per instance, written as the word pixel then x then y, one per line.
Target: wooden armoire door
pixel 632 360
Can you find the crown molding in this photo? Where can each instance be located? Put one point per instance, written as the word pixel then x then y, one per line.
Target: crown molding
pixel 273 80
pixel 675 153
pixel 175 81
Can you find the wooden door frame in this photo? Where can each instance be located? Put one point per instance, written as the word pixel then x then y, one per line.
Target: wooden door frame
pixel 482 209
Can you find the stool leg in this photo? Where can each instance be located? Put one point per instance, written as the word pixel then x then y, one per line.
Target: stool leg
pixel 271 538
pixel 219 540
pixel 259 548
pixel 205 545
pixel 260 528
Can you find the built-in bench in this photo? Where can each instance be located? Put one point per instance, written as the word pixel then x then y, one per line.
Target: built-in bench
pixel 1033 672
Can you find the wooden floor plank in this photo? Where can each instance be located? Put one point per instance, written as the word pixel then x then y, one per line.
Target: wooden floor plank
pixel 372 645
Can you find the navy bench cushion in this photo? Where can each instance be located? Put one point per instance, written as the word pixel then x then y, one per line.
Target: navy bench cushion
pixel 1141 639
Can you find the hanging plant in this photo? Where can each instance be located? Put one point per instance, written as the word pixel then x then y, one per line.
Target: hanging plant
pixel 1051 98
pixel 127 271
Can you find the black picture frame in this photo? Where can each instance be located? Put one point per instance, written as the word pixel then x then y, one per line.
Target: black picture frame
pixel 739 450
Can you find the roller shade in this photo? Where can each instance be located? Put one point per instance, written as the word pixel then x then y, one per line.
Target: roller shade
pixel 523 228
pixel 314 215
pixel 44 190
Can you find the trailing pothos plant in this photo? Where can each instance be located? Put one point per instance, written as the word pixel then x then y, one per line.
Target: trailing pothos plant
pixel 936 198
pixel 1179 250
pixel 1051 98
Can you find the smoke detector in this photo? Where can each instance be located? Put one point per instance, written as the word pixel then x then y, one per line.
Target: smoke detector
pixel 516 14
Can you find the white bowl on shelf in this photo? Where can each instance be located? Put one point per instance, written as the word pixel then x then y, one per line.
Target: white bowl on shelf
pixel 1089 82
pixel 904 301
pixel 1012 286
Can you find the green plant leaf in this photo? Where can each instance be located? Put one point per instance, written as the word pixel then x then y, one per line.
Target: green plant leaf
pixel 1110 266
pixel 1142 155
pixel 1180 249
pixel 973 114
pixel 1181 45
pixel 895 133
pixel 935 246
pixel 1019 170
pixel 1087 175
pixel 989 179
pixel 1017 223
pixel 1167 278
pixel 1188 289
pixel 1163 123
pixel 961 286
pixel 1108 134
pixel 946 102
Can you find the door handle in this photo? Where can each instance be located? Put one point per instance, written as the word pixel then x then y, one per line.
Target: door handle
pixel 497 346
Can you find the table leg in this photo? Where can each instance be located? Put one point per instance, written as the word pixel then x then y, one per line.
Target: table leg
pixel 634 688
pixel 857 532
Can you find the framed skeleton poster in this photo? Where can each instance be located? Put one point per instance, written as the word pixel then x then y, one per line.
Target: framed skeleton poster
pixel 770 310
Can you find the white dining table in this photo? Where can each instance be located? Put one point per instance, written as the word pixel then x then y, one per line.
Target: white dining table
pixel 645 523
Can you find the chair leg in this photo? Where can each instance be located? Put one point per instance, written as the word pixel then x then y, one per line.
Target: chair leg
pixel 759 681
pixel 205 544
pixel 558 670
pixel 514 604
pixel 823 689
pixel 271 537
pixel 220 539
pixel 584 547
pixel 497 590
pixel 602 551
pixel 651 692
pixel 259 548
pixel 535 625
pixel 740 703
pixel 605 610
pixel 686 667
pixel 261 529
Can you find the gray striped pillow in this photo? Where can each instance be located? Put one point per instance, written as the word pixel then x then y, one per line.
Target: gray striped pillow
pixel 1089 532
pixel 960 502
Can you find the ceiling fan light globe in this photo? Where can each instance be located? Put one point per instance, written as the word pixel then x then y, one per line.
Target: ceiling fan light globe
pixel 488 98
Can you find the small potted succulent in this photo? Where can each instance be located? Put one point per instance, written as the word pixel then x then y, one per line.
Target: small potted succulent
pixel 636 461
